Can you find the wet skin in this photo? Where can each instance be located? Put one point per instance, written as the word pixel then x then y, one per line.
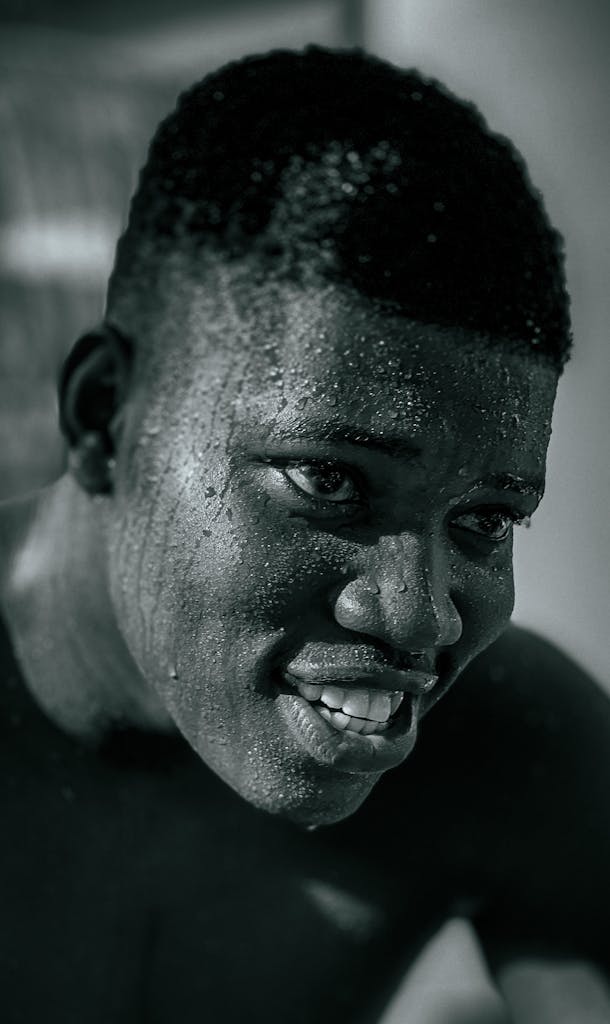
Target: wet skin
pixel 336 479
pixel 420 446
pixel 138 887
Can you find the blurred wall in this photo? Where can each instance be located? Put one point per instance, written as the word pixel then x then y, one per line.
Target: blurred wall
pixel 540 72
pixel 81 90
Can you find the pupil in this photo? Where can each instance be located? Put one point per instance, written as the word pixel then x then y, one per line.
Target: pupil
pixel 494 523
pixel 326 481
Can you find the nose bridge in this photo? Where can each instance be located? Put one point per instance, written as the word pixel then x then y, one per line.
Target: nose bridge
pixel 405 593
pixel 411 574
pixel 397 555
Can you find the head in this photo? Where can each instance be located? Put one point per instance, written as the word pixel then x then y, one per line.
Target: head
pixel 318 406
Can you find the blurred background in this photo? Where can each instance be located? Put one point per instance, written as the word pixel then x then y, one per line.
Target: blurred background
pixel 82 88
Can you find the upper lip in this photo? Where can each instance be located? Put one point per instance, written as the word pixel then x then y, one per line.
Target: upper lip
pixel 365 671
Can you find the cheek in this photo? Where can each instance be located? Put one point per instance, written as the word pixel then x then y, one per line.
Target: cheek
pixel 202 564
pixel 485 598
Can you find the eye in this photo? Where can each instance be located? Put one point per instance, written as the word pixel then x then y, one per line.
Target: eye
pixel 326 481
pixel 492 523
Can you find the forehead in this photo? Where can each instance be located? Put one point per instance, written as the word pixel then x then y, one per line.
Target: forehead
pixel 333 341
pixel 327 362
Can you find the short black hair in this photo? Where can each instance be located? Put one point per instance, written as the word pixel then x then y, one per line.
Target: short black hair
pixel 340 165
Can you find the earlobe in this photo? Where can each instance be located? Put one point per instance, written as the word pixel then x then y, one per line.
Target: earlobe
pixel 91 465
pixel 92 389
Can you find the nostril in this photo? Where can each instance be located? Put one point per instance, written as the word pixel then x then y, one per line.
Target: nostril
pixel 417 661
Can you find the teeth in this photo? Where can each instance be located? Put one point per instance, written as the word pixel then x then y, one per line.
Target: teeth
pixel 335 718
pixel 396 701
pixel 310 691
pixel 369 727
pixel 380 707
pixel 361 711
pixel 373 704
pixel 333 696
pixel 346 724
pixel 357 703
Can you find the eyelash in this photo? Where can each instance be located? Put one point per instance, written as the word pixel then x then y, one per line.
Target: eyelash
pixel 488 513
pixel 319 503
pixel 514 517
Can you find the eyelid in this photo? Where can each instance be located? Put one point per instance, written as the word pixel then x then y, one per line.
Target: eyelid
pixel 515 516
pixel 322 464
pixel 493 509
pixel 519 507
pixel 371 483
pixel 281 463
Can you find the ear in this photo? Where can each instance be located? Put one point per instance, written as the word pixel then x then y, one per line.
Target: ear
pixel 92 389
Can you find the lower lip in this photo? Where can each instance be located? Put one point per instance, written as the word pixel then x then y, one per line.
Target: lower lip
pixel 349 751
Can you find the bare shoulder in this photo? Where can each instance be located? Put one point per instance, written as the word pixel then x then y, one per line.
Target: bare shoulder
pixel 539 770
pixel 522 716
pixel 16 518
pixel 543 718
pixel 525 659
pixel 506 800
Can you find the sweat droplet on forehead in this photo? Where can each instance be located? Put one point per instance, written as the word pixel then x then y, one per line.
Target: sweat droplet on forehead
pixel 298 359
pixel 345 372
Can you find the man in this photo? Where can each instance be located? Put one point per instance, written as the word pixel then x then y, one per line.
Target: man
pixel 318 405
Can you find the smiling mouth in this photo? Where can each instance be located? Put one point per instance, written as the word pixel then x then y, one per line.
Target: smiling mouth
pixel 367 711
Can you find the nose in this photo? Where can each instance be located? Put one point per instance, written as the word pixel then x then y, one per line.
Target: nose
pixel 402 596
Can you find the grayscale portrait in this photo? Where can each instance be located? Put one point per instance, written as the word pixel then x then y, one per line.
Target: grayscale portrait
pixel 303 718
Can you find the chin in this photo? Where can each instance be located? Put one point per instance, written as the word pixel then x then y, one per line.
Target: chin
pixel 316 802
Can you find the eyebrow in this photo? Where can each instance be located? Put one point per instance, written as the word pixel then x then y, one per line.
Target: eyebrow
pixel 510 482
pixel 394 445
pixel 398 447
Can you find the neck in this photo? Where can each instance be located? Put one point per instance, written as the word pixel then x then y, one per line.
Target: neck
pixel 58 610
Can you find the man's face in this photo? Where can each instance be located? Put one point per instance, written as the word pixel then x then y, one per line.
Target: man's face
pixel 310 535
